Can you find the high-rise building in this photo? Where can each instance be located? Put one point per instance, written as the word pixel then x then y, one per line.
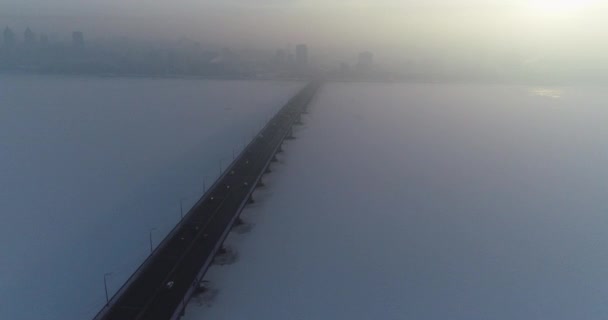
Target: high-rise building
pixel 9 39
pixel 290 59
pixel 29 37
pixel 366 61
pixel 78 40
pixel 44 39
pixel 302 55
pixel 280 57
pixel 344 69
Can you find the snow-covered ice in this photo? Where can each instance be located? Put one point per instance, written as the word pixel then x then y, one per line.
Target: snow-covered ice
pixel 426 202
pixel 90 166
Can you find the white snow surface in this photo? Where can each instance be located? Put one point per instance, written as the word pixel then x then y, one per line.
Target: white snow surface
pixel 89 166
pixel 428 202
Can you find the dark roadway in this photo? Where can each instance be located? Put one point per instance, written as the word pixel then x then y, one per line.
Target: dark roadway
pixel 183 257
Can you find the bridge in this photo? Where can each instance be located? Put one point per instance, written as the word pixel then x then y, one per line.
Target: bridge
pixel 173 273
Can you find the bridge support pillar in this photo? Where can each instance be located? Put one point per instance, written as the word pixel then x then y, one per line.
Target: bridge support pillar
pixel 299 120
pixel 239 222
pixel 290 134
pixel 200 288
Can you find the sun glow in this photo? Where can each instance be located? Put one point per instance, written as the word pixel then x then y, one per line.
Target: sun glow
pixel 559 6
pixel 546 93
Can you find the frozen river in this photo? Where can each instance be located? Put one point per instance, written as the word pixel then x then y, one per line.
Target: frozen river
pixel 428 202
pixel 90 168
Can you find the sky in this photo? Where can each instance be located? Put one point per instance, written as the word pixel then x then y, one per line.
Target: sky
pixel 562 34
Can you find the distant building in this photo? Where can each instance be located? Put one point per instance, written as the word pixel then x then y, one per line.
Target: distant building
pixel 344 69
pixel 290 59
pixel 44 39
pixel 78 40
pixel 228 55
pixel 280 57
pixel 365 61
pixel 9 39
pixel 302 55
pixel 29 37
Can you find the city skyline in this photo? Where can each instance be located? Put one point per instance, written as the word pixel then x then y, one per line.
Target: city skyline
pixel 34 52
pixel 561 30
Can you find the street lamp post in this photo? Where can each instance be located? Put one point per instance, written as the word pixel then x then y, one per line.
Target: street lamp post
pixel 221 170
pixel 151 248
pixel 205 183
pixel 105 286
pixel 181 207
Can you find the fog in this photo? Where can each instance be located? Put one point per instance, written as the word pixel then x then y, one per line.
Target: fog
pixel 552 38
pixel 428 202
pixel 87 175
pixel 471 172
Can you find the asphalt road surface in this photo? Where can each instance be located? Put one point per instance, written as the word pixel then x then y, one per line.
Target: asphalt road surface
pixel 158 289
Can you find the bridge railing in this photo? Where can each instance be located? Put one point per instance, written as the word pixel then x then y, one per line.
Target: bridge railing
pixel 116 296
pixel 181 310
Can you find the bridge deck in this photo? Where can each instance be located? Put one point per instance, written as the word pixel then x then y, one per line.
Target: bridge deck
pixel 185 254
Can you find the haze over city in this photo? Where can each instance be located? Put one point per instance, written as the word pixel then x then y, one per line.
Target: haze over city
pixel 303 159
pixel 514 40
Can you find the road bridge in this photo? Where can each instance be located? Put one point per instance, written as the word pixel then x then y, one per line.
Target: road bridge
pixel 163 284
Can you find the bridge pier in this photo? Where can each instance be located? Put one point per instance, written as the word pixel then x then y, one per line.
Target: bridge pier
pixel 210 220
pixel 239 222
pixel 298 121
pixel 200 288
pixel 290 135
